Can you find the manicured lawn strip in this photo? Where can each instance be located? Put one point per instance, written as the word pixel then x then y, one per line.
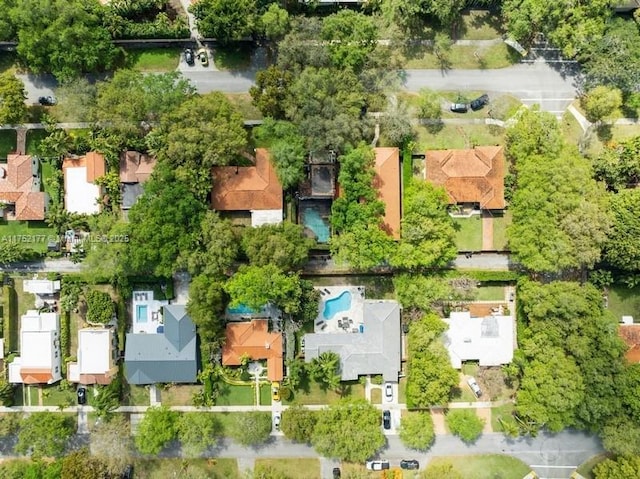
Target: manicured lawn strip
pixel 232 395
pixel 31 234
pixel 265 394
pixel 8 141
pixel 136 395
pixel 571 129
pixel 458 136
pixel 487 466
pixel 26 301
pixel 468 233
pixel 624 301
pixel 490 293
pixel 586 468
pixel 153 59
pixel 53 396
pixel 376 396
pixel 178 394
pixel 34 137
pixel 500 224
pixel 217 468
pixel 463 57
pixel 503 412
pixel 402 390
pixel 315 395
pixel 242 101
pixel 233 57
pixel 298 468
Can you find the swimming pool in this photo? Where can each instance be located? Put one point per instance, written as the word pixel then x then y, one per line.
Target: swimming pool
pixel 312 220
pixel 141 313
pixel 241 309
pixel 336 305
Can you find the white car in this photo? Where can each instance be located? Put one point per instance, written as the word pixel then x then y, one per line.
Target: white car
pixel 474 387
pixel 378 465
pixel 388 392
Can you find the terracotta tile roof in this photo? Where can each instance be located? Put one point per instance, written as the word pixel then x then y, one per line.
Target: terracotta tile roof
pixel 135 167
pixel 247 188
pixel 630 334
pixel 469 176
pixel 387 181
pixel 17 186
pixel 93 161
pixel 35 375
pixel 253 339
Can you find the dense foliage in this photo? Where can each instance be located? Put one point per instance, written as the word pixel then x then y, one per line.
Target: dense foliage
pixel 251 428
pixel 12 99
pixel 416 430
pixel 44 434
pixel 283 245
pixel 298 423
pixel 100 307
pixel 156 429
pixel 465 424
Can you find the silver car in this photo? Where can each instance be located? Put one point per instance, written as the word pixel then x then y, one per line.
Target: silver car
pixel 474 387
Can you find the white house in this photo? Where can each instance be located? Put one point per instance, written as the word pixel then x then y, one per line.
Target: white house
pixel 97 355
pixel 489 340
pixel 43 289
pixel 81 193
pixel 40 358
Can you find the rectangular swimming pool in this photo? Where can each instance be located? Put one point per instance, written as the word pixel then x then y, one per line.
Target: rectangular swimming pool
pixel 142 315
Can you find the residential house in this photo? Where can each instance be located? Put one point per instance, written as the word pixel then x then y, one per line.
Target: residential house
pixel 135 169
pixel 388 183
pixel 40 357
pixel 490 340
pixel 44 290
pixel 96 357
pixel 168 356
pixel 374 349
pixel 253 339
pixel 624 6
pixel 250 190
pixel 630 334
pixel 472 178
pixel 20 195
pixel 316 194
pixel 81 193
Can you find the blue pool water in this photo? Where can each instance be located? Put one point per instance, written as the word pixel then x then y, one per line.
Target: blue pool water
pixel 312 220
pixel 240 309
pixel 141 313
pixel 335 305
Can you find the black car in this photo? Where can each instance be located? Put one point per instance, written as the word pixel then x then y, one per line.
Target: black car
pixel 459 107
pixel 386 419
pixel 336 473
pixel 409 464
pixel 47 100
pixel 128 472
pixel 479 102
pixel 188 56
pixel 82 396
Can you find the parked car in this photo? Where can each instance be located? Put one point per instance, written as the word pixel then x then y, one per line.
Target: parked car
pixel 409 464
pixel 388 392
pixel 202 56
pixel 188 56
pixel 47 100
pixel 128 472
pixel 336 473
pixel 479 102
pixel 275 392
pixel 459 107
pixel 378 465
pixel 474 387
pixel 276 421
pixel 386 419
pixel 82 396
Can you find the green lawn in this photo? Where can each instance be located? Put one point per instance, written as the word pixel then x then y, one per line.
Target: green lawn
pixel 232 395
pixel 315 395
pixel 571 129
pixel 242 101
pixel 457 136
pixel 136 395
pixel 179 394
pixel 502 107
pixel 468 233
pixel 463 57
pixel 624 301
pixel 480 25
pixel 501 412
pixel 153 59
pixel 486 466
pixel 293 468
pixel 402 390
pixel 586 468
pixel 500 224
pixel 215 468
pixel 46 172
pixel 54 396
pixel 33 234
pixel 490 293
pixel 22 393
pixel 596 140
pixel 26 301
pixel 265 394
pixel 233 57
pixel 34 137
pixel 8 139
pixel 376 396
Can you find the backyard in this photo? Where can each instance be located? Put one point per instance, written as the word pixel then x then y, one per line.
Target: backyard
pixel 293 468
pixel 624 301
pixel 490 293
pixel 8 139
pixel 488 466
pixel 468 233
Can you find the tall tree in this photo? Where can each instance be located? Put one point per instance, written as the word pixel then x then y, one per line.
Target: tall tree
pixel 300 47
pixel 325 370
pixel 271 91
pixel 110 441
pixel 225 20
pixel 298 423
pixel 621 467
pixel 81 465
pixel 197 432
pixel 622 248
pixel 157 428
pixel 206 303
pixel 44 434
pixel 428 237
pixel 275 22
pixel 63 37
pixel 283 245
pixel 351 36
pixel 348 430
pixel 217 247
pixel 601 103
pixel 412 15
pixel 251 428
pixel 13 109
pixel 465 424
pixel 619 165
pixel 416 430
pixel 534 133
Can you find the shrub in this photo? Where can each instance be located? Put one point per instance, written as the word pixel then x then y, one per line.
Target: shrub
pixel 416 430
pixel 465 424
pixel 285 393
pixel 100 307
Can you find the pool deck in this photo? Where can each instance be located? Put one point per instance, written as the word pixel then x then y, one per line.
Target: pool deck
pixel 354 316
pixel 154 316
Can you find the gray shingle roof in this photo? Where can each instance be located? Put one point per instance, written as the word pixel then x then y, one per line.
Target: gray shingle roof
pixel 168 357
pixel 130 194
pixel 374 351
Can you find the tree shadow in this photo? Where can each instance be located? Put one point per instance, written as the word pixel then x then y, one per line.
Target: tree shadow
pixel 434 126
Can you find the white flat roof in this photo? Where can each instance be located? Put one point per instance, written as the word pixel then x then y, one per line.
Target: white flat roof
pixel 36 349
pixel 41 286
pixel 265 217
pixel 34 321
pixel 488 340
pixel 80 196
pixel 94 351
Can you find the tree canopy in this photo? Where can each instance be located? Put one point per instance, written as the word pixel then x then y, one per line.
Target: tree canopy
pixel 251 428
pixel 298 423
pixel 44 434
pixel 465 423
pixel 351 36
pixel 416 430
pixel 619 164
pixel 197 432
pixel 283 245
pixel 622 248
pixel 100 307
pixel 157 428
pixel 12 99
pixel 348 430
pixel 216 249
pixel 207 300
pixel 110 441
pixel 225 20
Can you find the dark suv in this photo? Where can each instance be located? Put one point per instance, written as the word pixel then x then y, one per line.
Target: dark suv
pixel 479 102
pixel 409 464
pixel 336 473
pixel 386 419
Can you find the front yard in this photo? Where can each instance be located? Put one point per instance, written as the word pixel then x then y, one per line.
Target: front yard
pixel 314 394
pixel 291 468
pixel 624 301
pixel 217 468
pixel 487 466
pixel 457 136
pixel 8 141
pixel 468 233
pixel 153 59
pixel 232 395
pixel 32 234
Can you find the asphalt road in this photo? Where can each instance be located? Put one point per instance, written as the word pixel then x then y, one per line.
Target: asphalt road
pixel 551 85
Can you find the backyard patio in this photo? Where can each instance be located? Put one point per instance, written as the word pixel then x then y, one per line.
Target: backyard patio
pixel 146 312
pixel 340 309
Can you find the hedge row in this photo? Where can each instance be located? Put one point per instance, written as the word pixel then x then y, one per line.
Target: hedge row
pixel 10 323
